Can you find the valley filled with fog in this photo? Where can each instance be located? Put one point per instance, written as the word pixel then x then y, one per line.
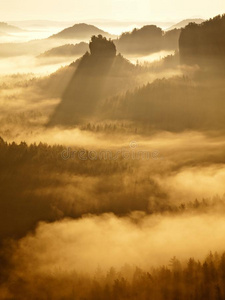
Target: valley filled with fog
pixel 112 160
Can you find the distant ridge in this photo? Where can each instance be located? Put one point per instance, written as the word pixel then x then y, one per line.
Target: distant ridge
pixel 185 23
pixel 80 31
pixel 6 28
pixel 66 50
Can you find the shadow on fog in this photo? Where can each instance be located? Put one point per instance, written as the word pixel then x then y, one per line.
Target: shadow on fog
pixel 97 76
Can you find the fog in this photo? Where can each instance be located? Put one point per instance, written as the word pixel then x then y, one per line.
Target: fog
pixel 150 58
pixel 84 245
pixel 112 163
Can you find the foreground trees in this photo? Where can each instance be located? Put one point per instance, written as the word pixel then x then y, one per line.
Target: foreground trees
pixel 193 280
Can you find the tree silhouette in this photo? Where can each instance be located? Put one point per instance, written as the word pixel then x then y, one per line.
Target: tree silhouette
pixel 100 46
pixel 203 44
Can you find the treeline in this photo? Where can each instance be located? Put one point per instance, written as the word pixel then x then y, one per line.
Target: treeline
pixel 42 182
pixel 147 40
pixel 204 44
pixel 194 280
pixel 174 104
pixel 46 183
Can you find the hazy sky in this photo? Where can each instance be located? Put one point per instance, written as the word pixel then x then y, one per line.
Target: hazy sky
pixel 138 10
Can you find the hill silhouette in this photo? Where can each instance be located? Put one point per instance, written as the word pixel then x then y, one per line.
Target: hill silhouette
pixel 6 28
pixel 175 104
pixel 184 23
pixel 66 50
pixel 203 44
pixel 99 74
pixel 80 31
pixel 146 40
pixel 149 39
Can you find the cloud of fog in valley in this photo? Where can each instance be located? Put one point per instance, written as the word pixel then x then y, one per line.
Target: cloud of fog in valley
pixel 146 241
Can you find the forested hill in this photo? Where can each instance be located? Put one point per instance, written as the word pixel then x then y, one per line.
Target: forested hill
pixel 203 44
pixel 148 39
